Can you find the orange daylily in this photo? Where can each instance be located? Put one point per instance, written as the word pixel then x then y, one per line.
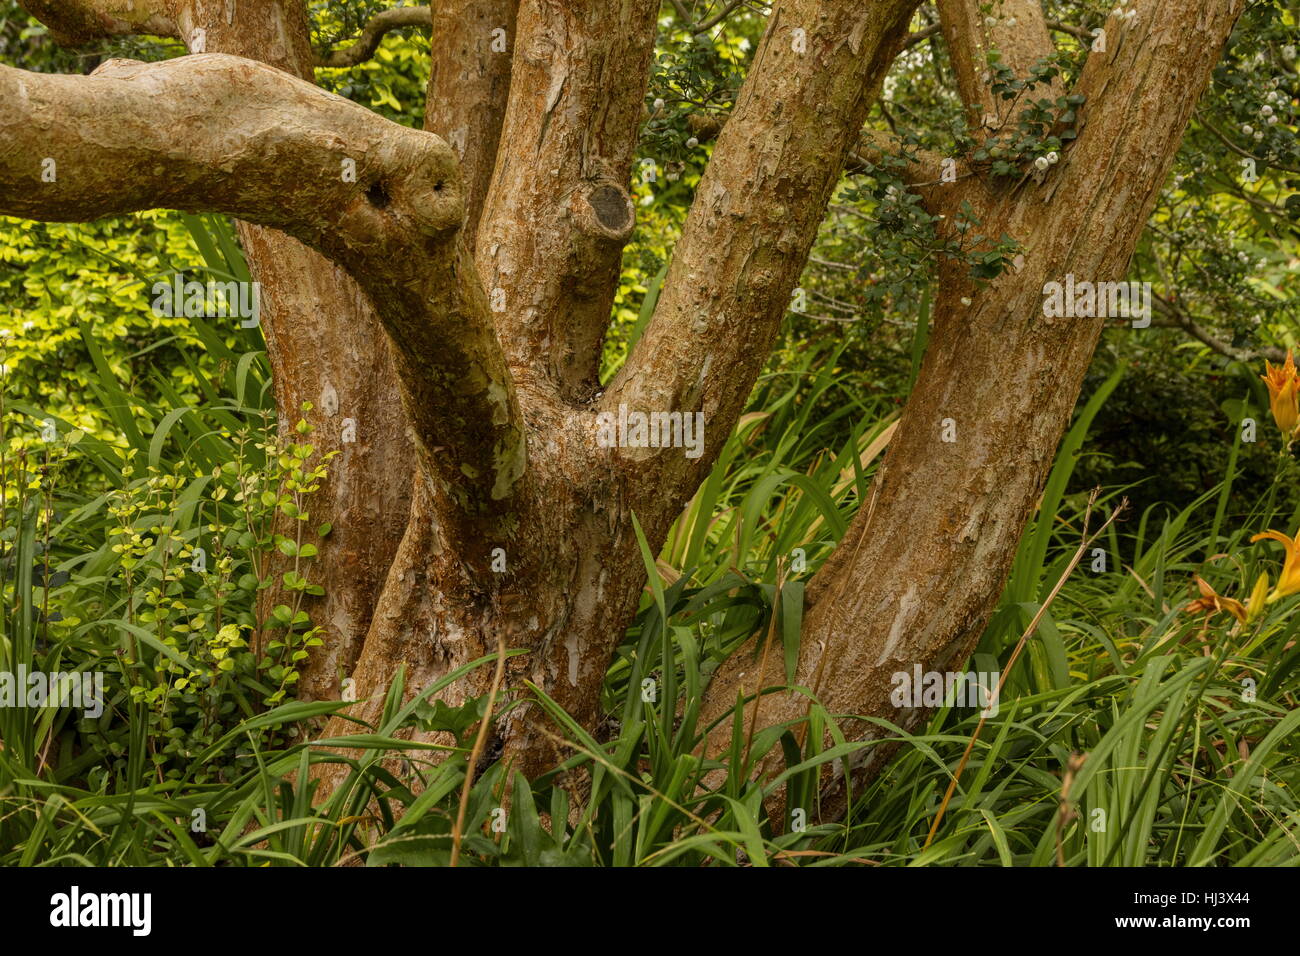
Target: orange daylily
pixel 1288 581
pixel 1284 395
pixel 1210 602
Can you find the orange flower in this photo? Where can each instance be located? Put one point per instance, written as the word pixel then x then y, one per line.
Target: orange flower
pixel 1284 395
pixel 1288 581
pixel 1211 603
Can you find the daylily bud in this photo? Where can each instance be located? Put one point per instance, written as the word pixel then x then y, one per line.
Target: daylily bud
pixel 1258 597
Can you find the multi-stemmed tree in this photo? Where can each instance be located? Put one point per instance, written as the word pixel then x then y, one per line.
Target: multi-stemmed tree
pixel 452 289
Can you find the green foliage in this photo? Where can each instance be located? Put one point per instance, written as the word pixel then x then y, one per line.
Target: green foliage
pixel 394 81
pixel 1187 416
pixel 58 279
pixel 154 582
pixel 1182 765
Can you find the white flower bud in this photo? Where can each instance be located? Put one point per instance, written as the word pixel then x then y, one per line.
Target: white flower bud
pixel 1041 162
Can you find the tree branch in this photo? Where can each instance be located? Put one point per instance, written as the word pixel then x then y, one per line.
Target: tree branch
pixel 876 148
pixel 372 34
pixel 559 211
pixel 1223 138
pixel 1016 29
pixel 74 22
pixel 273 31
pixel 1179 319
pixel 1082 34
pixel 756 212
pixel 469 89
pixel 215 133
pixel 704 26
pixel 920 169
pixel 925 33
pixel 873 148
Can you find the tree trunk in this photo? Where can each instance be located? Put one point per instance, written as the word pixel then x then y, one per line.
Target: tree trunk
pixel 922 566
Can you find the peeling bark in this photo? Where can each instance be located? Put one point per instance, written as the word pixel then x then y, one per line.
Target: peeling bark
pixel 575 577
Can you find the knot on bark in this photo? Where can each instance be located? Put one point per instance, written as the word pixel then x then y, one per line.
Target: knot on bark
pixel 604 210
pixel 417 179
